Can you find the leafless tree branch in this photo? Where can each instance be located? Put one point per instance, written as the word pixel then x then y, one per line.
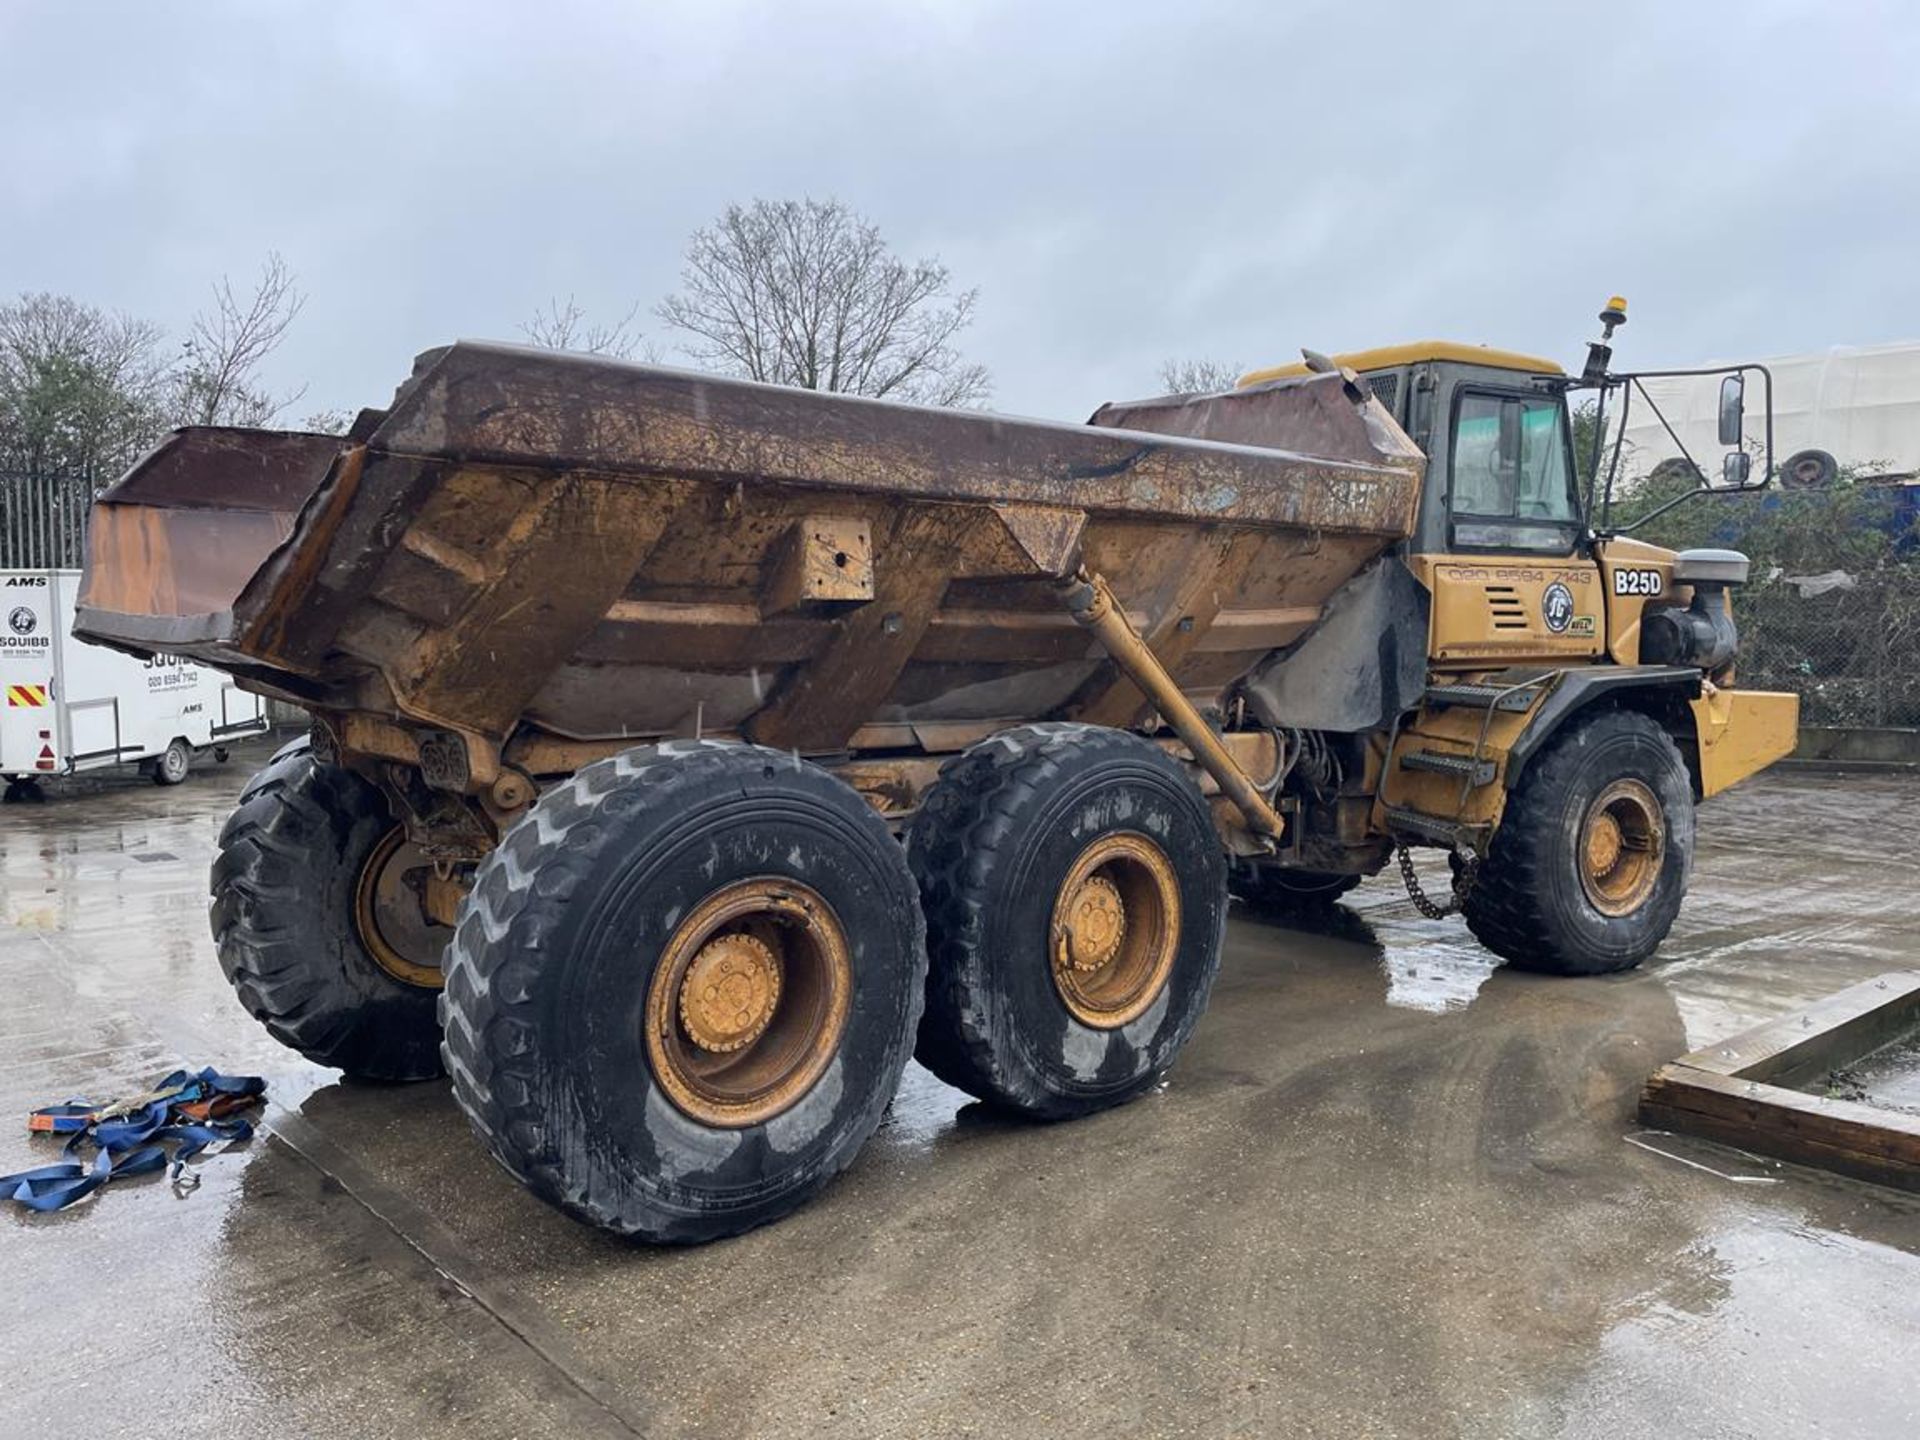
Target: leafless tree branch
pixel 217 379
pixel 806 293
pixel 1199 377
pixel 567 327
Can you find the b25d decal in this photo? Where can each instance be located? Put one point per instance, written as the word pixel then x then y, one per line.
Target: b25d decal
pixel 1638 582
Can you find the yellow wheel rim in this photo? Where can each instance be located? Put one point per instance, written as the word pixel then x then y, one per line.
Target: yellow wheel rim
pixel 1623 841
pixel 748 1002
pixel 388 915
pixel 1115 930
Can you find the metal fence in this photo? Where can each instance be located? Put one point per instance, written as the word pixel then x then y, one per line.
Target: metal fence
pixel 1848 643
pixel 43 520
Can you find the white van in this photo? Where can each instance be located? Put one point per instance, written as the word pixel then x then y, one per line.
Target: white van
pixel 71 707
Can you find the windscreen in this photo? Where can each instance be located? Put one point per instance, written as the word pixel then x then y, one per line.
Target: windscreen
pixel 1512 486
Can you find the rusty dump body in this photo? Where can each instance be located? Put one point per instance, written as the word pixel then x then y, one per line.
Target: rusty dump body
pixel 533 559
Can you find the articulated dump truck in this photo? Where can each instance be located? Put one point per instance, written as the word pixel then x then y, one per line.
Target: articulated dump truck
pixel 688 753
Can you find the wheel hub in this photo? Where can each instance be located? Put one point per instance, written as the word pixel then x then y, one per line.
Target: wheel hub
pixel 748 1001
pixel 390 917
pixel 1115 931
pixel 730 993
pixel 1096 924
pixel 1623 844
pixel 1604 843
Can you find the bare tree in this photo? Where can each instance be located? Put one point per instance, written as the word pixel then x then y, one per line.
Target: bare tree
pixel 807 293
pixel 217 380
pixel 328 422
pixel 567 327
pixel 81 388
pixel 1199 377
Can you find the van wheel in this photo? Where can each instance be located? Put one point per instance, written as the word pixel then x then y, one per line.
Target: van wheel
pixel 170 767
pixel 683 989
pixel 317 919
pixel 1586 872
pixel 1075 894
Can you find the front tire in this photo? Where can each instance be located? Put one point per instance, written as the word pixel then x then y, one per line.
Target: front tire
pixel 1588 867
pixel 315 925
pixel 683 989
pixel 1075 892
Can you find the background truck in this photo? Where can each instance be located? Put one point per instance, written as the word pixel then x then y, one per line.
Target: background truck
pixel 629 685
pixel 72 707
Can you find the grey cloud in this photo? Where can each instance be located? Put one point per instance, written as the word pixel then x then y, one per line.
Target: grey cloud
pixel 1124 182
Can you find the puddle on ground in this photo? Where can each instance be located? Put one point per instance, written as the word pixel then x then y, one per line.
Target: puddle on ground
pixel 1790 1320
pixel 922 1110
pixel 1888 1077
pixel 1437 976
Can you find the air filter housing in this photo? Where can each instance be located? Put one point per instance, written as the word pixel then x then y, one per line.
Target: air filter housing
pixel 1703 634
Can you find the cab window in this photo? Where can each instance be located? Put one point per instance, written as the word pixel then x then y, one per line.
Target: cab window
pixel 1512 485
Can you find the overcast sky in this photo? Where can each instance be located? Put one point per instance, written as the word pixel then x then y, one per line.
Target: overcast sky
pixel 1123 182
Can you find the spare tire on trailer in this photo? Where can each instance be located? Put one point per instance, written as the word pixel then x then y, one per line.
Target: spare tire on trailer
pixel 1075 892
pixel 1809 470
pixel 683 989
pixel 317 927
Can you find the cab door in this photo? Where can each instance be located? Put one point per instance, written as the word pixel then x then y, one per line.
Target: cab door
pixel 1516 583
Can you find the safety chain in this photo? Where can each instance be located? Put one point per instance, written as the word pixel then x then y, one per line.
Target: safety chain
pixel 1462 885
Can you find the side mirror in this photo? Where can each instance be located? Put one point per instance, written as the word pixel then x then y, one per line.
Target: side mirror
pixel 1733 412
pixel 1735 469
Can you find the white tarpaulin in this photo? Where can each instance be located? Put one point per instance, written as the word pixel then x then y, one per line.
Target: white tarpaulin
pixel 1861 404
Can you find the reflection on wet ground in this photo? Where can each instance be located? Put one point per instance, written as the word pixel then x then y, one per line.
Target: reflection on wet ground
pixel 1390 1189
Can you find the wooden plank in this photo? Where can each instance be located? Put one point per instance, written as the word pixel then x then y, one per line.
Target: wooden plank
pixel 1830 1033
pixel 1806 1152
pixel 1790 1124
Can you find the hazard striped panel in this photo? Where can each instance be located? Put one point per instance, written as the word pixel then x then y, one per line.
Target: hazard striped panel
pixel 26 697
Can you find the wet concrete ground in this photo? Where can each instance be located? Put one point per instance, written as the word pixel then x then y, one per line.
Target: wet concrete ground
pixel 1388 1190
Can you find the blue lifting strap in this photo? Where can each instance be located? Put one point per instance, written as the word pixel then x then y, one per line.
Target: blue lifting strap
pixel 186 1110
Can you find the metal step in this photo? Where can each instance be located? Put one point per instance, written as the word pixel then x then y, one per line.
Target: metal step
pixel 1483 697
pixel 1478 772
pixel 1431 828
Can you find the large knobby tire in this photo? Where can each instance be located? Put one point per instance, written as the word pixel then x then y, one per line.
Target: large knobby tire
pixel 591 1033
pixel 287 884
pixel 1005 848
pixel 1544 897
pixel 1269 889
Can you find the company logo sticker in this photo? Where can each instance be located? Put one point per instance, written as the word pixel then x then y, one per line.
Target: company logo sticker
pixel 1556 607
pixel 22 621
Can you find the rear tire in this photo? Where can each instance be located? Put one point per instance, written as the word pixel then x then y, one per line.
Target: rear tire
pixel 1588 867
pixel 286 885
pixel 1029 1012
pixel 171 765
pixel 683 989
